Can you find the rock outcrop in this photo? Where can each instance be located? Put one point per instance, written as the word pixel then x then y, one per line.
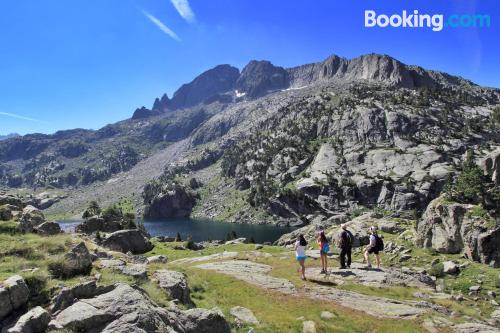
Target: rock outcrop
pixel 128 241
pixel 175 202
pixel 451 228
pixel 128 309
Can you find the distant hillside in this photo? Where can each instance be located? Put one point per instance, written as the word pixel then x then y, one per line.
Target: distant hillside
pixel 8 136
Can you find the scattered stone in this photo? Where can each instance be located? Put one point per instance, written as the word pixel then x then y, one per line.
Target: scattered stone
pixel 491 294
pixel 159 259
pixel 175 285
pixel 128 240
pixel 259 246
pixel 244 315
pixel 308 327
pixel 326 315
pixel 449 267
pixel 34 321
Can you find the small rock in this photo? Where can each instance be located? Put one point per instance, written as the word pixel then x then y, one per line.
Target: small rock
pixel 449 267
pixel 137 271
pixel 404 257
pixel 259 246
pixel 493 302
pixel 244 315
pixel 475 289
pixel 491 294
pixel 326 315
pixel 157 259
pixel 308 327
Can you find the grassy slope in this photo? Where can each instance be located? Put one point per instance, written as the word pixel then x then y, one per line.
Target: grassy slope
pixel 277 312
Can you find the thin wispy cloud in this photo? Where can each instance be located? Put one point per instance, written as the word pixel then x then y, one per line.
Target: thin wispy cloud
pixel 161 26
pixel 17 116
pixel 184 10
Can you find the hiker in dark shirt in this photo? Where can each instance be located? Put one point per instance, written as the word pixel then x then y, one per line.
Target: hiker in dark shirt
pixel 345 246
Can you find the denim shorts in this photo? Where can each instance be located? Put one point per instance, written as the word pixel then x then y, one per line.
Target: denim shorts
pixel 301 258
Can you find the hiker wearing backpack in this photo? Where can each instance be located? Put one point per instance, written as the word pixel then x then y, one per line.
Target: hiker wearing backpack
pixel 345 246
pixel 324 248
pixel 300 254
pixel 376 245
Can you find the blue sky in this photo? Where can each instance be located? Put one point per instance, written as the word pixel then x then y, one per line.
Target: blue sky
pixel 86 63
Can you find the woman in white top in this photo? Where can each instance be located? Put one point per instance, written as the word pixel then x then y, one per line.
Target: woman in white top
pixel 300 254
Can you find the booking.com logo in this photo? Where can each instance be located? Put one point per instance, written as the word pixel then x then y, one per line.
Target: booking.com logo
pixel 416 20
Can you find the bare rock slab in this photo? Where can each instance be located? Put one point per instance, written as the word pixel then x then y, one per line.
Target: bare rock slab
pixel 244 315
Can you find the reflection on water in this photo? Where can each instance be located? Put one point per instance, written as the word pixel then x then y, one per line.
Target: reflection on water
pixel 202 230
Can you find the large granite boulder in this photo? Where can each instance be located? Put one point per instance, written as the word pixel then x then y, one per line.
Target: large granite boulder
pixel 48 229
pixel 30 218
pixel 75 262
pixel 14 294
pixel 35 320
pixel 132 240
pixel 204 321
pixel 174 284
pixel 96 223
pixel 450 228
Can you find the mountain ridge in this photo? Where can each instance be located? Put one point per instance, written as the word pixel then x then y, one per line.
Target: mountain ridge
pixel 260 77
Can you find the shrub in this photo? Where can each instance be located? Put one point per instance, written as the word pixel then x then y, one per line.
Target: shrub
pixel 37 285
pixel 437 270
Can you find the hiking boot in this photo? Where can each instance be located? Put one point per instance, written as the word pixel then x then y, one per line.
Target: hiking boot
pixel 322 272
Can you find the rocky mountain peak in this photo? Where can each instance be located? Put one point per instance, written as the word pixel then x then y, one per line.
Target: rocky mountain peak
pixel 260 77
pixel 217 80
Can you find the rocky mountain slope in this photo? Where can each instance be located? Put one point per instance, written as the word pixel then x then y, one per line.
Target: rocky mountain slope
pixel 273 144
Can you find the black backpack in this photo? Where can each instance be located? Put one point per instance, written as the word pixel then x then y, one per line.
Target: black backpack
pixel 379 243
pixel 349 239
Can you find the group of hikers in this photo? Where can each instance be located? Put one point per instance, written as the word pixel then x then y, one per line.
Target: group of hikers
pixel 345 242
